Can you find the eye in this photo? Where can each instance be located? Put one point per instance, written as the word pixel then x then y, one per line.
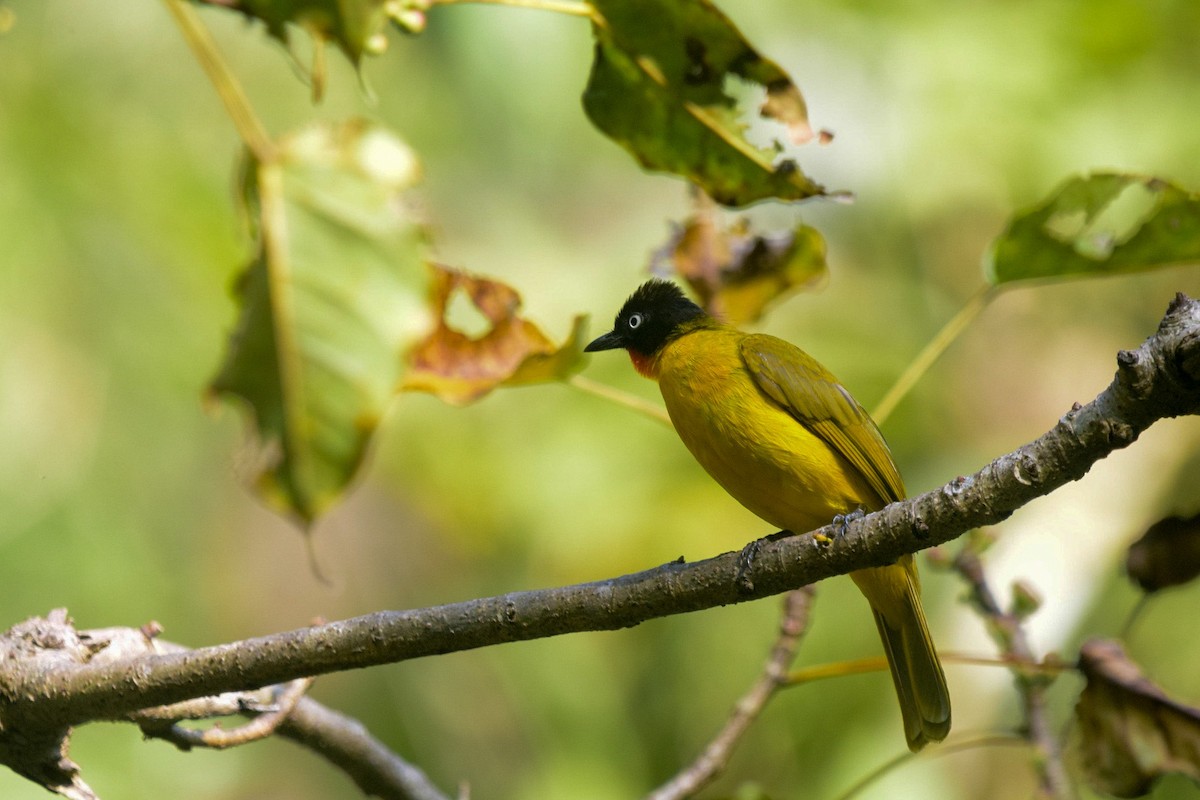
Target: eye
pixel 635 321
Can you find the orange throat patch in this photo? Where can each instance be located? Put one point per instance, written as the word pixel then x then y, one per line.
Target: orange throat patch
pixel 647 366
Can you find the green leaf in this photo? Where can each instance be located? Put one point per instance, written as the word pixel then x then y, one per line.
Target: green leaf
pixel 658 87
pixel 1100 224
pixel 327 307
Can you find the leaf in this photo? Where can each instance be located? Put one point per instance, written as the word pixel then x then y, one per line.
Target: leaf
pixel 1168 554
pixel 1099 224
pixel 355 26
pixel 1132 732
pixel 658 88
pixel 327 306
pixel 511 351
pixel 737 274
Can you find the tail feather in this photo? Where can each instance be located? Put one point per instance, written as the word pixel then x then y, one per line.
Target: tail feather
pixel 894 595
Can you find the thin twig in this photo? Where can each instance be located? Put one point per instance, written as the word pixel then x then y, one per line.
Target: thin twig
pixel 631 401
pixel 862 666
pixel 260 727
pixel 819 672
pixel 1048 666
pixel 571 7
pixel 715 757
pixel 237 105
pixel 958 745
pixel 1007 631
pixel 1135 613
pixel 345 743
pixel 339 739
pixel 933 350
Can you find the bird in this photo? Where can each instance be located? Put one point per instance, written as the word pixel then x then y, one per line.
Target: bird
pixel 784 438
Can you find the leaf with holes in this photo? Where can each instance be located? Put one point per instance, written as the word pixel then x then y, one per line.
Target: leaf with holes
pixel 659 87
pixel 736 273
pixel 1099 224
pixel 511 351
pixel 1132 733
pixel 327 307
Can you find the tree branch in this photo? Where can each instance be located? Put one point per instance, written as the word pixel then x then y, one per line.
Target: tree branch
pixel 344 742
pixel 712 762
pixel 1005 627
pixel 53 643
pixel 44 691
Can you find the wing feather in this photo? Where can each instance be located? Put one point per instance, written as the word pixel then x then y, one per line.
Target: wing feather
pixel 814 398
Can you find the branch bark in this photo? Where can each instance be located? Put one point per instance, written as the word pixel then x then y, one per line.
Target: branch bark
pixel 1160 379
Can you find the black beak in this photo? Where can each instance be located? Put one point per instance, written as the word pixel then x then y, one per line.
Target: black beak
pixel 609 341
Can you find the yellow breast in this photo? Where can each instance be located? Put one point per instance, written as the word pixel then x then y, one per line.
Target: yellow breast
pixel 759 453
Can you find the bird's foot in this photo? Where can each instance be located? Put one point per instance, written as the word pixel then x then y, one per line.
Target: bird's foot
pixel 842 521
pixel 745 560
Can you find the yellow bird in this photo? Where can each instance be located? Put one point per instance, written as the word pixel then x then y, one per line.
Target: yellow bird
pixel 787 441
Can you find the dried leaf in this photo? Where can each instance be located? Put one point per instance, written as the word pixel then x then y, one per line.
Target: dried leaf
pixel 1132 732
pixel 658 87
pixel 737 274
pixel 1168 554
pixel 512 351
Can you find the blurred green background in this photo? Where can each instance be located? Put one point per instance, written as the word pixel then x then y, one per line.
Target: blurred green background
pixel 121 495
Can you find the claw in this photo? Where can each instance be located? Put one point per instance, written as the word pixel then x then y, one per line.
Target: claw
pixel 842 521
pixel 745 559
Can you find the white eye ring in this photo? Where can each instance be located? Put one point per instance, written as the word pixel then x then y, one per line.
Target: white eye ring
pixel 635 321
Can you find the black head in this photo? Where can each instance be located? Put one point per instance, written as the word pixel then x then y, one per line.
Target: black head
pixel 653 315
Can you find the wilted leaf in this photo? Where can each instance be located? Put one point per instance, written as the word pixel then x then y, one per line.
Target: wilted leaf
pixel 735 273
pixel 658 87
pixel 1100 224
pixel 327 306
pixel 1132 732
pixel 512 351
pixel 1168 554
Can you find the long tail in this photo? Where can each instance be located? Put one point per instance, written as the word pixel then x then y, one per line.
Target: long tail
pixel 894 593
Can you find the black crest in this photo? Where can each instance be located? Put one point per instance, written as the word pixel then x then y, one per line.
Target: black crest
pixel 652 315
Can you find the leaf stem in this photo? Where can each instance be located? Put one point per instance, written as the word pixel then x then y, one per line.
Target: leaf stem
pixel 925 359
pixel 861 666
pixel 967 743
pixel 1051 668
pixel 237 105
pixel 626 399
pixel 572 7
pixel 837 669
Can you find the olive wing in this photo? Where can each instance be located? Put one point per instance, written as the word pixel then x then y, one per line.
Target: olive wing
pixel 814 398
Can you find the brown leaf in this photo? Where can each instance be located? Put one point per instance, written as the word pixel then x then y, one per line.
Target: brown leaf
pixel 1168 554
pixel 1132 732
pixel 460 368
pixel 736 273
